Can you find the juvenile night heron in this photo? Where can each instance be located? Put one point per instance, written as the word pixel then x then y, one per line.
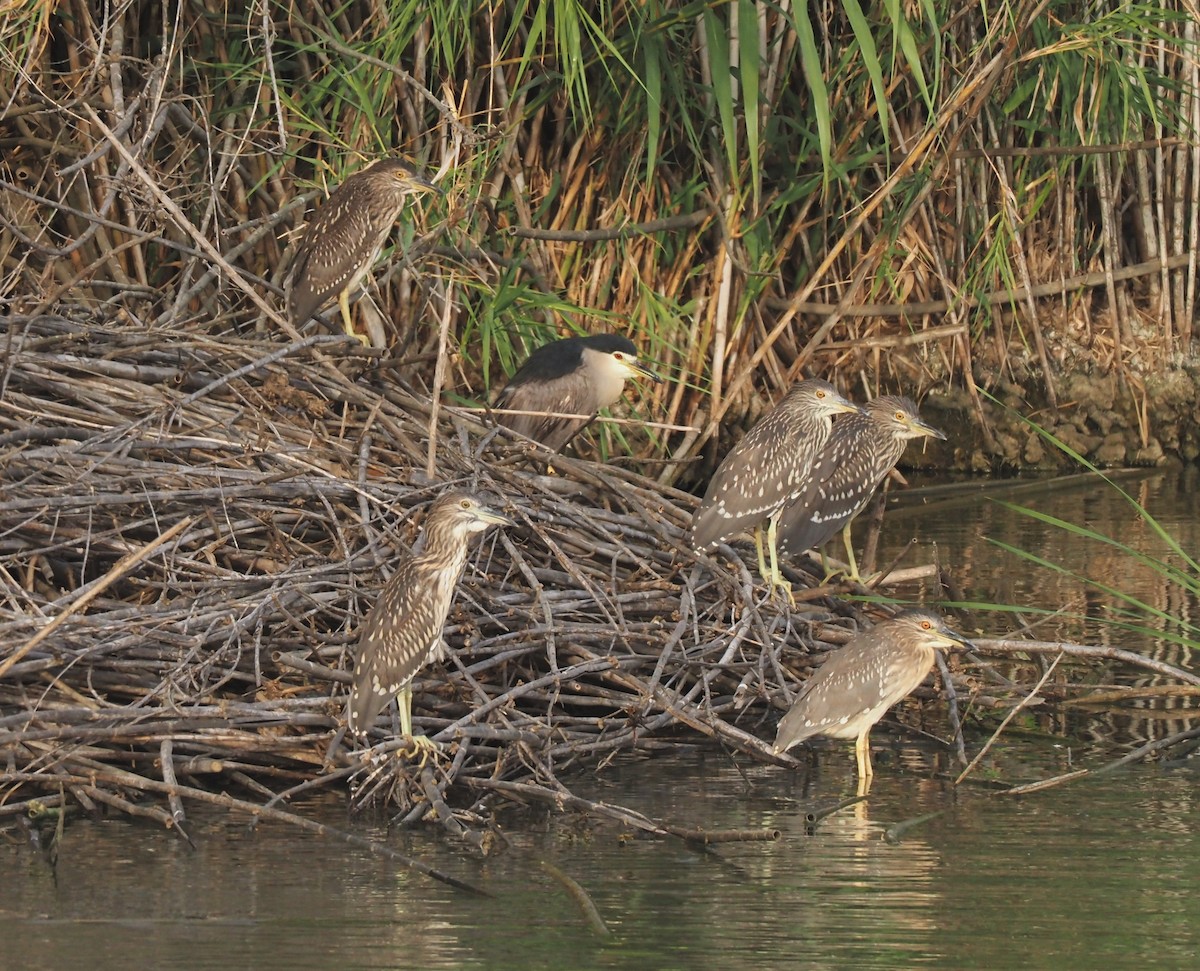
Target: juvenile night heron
pixel 344 238
pixel 862 449
pixel 403 631
pixel 768 468
pixel 574 376
pixel 858 683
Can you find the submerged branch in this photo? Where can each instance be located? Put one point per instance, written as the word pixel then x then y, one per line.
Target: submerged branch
pixel 1004 646
pixel 581 898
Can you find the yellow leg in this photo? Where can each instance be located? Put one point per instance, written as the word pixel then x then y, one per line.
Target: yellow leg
pixel 421 745
pixel 404 702
pixel 826 571
pixel 772 577
pixel 862 755
pixel 347 321
pixel 776 580
pixel 853 574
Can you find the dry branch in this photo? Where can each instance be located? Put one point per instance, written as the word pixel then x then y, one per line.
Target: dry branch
pixel 225 511
pixel 274 493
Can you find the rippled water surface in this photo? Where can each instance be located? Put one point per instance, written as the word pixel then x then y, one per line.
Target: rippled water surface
pixel 1104 872
pixel 968 529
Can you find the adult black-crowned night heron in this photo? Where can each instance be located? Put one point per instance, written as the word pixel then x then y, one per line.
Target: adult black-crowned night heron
pixel 576 376
pixel 768 468
pixel 344 238
pixel 859 682
pixel 862 449
pixel 403 631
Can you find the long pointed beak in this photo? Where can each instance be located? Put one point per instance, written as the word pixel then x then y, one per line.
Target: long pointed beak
pixel 956 639
pixel 414 181
pixel 645 371
pixel 488 515
pixel 421 184
pixel 922 429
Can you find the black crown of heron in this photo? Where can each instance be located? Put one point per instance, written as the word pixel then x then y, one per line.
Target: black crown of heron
pixel 557 392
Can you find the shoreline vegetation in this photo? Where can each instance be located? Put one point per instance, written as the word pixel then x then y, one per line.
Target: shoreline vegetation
pixel 1001 206
pixel 199 501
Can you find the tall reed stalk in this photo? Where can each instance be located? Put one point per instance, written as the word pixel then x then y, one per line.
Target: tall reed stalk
pixel 906 196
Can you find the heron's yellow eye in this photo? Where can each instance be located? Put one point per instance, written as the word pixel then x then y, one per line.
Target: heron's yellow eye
pixel 820 394
pixel 899 416
pixel 465 503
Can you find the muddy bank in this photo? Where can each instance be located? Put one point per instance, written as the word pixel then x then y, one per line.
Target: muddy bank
pixel 1113 422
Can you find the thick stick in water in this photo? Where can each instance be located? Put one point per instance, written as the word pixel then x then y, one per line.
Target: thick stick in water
pixel 580 896
pixel 712 836
pixel 178 816
pixel 92 772
pixel 1005 646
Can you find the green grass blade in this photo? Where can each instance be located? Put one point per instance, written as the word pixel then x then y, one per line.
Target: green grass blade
pixel 717 40
pixel 870 58
pixel 810 61
pixel 751 83
pixel 903 37
pixel 653 55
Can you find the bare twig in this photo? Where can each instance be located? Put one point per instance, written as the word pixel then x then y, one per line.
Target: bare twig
pixel 1007 718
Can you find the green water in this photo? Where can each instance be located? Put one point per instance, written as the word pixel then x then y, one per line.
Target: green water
pixel 1101 873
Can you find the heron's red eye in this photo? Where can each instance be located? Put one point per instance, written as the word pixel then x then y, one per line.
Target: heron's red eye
pixel 618 355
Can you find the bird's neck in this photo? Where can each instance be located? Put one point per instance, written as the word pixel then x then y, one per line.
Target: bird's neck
pixel 611 388
pixel 445 551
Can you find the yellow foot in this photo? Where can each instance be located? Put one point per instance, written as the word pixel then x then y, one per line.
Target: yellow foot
pixel 847 575
pixel 779 583
pixel 421 747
